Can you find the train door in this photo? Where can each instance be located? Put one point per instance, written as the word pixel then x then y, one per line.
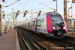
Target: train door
pixel 40 25
pixel 28 25
pixel 35 25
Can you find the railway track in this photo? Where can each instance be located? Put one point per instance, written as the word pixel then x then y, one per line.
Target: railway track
pixel 31 42
pixel 41 40
pixel 23 45
pixel 68 43
pixel 65 42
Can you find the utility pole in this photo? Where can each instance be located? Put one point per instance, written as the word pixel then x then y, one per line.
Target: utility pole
pixel 65 10
pixel 56 5
pixel 68 14
pixel 72 16
pixel 0 21
pixel 8 23
pixel 13 17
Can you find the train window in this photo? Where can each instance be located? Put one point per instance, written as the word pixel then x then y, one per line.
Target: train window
pixel 39 23
pixel 31 24
pixel 56 19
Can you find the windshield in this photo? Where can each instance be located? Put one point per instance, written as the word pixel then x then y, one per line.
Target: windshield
pixel 56 19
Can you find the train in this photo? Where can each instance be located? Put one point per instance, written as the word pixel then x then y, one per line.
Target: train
pixel 50 24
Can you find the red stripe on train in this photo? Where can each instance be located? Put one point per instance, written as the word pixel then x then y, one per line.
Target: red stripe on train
pixel 49 24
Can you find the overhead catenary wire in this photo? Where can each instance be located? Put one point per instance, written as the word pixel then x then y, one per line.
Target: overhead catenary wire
pixel 10 4
pixel 47 6
pixel 27 3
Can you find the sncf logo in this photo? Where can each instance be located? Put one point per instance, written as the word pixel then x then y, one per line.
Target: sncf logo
pixel 59 27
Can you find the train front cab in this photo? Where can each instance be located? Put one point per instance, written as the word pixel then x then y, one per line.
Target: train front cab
pixel 56 25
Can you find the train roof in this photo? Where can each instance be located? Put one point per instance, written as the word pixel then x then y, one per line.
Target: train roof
pixel 53 13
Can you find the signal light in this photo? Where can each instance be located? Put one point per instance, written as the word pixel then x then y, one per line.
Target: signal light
pixel 39 13
pixel 25 13
pixel 54 11
pixel 3 16
pixel 3 0
pixel 53 0
pixel 17 13
pixel 70 7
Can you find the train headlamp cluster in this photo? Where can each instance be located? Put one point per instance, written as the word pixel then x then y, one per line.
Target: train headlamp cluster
pixel 64 27
pixel 53 28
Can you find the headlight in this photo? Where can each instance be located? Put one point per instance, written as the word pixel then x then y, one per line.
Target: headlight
pixel 53 28
pixel 64 27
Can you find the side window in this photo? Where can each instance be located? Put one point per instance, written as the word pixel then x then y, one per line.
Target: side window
pixel 32 24
pixel 39 23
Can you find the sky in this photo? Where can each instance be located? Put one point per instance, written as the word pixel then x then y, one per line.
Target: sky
pixel 35 5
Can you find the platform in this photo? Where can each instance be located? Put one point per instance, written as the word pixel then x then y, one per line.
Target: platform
pixel 70 34
pixel 9 41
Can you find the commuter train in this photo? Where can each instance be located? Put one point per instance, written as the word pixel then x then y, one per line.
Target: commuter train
pixel 50 24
